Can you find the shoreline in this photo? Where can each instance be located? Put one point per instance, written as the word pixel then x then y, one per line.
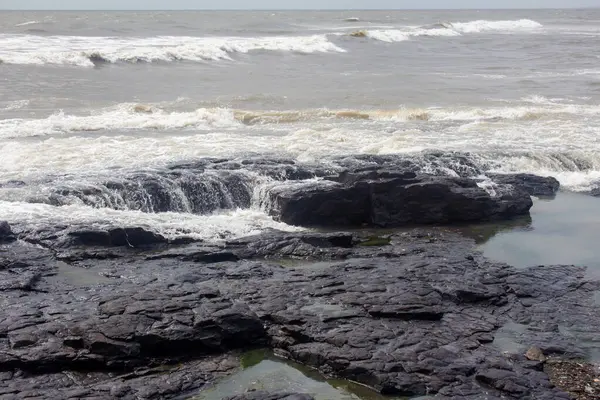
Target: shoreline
pixel 421 311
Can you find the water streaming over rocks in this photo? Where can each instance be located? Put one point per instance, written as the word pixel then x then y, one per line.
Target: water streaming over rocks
pixel 167 180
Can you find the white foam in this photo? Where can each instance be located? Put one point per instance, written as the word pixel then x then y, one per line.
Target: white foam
pixel 387 35
pixel 578 171
pixel 491 76
pixel 545 136
pixel 215 227
pixel 14 105
pixel 497 26
pixel 28 23
pixel 452 29
pixel 132 116
pixel 397 35
pixel 572 73
pixel 551 110
pixel 84 51
pixel 127 116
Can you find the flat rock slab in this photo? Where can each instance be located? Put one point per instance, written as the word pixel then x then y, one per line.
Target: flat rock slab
pixel 391 198
pixel 418 316
pixel 149 383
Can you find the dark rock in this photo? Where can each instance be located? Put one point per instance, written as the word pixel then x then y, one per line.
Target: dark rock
pixel 532 184
pixel 503 380
pixel 210 184
pixel 391 198
pixel 6 233
pixel 535 354
pixel 295 245
pixel 13 184
pixel 125 328
pixel 417 317
pixel 320 204
pixel 595 192
pixel 185 190
pixel 164 382
pixel 130 237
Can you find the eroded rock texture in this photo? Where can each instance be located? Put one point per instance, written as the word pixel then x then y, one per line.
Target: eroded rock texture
pixel 422 315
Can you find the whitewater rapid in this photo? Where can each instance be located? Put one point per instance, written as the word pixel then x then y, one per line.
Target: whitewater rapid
pixel 537 135
pixel 95 110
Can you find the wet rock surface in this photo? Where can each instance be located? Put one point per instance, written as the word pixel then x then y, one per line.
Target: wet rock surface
pixel 391 198
pixel 170 381
pixel 532 184
pixel 418 314
pixel 6 233
pixel 131 237
pixel 446 182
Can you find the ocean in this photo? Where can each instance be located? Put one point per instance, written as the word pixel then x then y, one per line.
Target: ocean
pixel 88 98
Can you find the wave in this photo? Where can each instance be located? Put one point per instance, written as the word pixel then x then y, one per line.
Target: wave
pixel 91 51
pixel 396 35
pixel 575 170
pixel 137 116
pixel 544 108
pixel 14 105
pixel 572 73
pixel 448 29
pixel 127 116
pixel 568 151
pixel 499 26
pixel 28 23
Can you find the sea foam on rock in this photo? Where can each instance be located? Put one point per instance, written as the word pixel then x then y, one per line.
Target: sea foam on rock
pixel 388 198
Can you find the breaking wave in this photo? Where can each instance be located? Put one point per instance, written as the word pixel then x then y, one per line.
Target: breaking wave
pixel 28 23
pixel 132 116
pixel 122 117
pixel 486 26
pixel 91 51
pixel 449 29
pixel 82 51
pixel 14 105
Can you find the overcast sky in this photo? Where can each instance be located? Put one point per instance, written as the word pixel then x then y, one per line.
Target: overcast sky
pixel 287 4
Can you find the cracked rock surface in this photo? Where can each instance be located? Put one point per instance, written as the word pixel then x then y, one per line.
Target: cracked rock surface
pixel 422 314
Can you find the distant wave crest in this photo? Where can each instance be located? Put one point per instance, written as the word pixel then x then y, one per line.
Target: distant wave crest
pixel 449 29
pixel 13 105
pixel 32 49
pixel 28 23
pixel 91 51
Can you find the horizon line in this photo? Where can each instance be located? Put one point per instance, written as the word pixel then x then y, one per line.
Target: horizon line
pixel 303 9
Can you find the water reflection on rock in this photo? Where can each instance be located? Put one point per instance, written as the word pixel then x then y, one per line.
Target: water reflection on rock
pixel 263 371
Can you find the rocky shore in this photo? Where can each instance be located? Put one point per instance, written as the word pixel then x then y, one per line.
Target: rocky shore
pixel 126 313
